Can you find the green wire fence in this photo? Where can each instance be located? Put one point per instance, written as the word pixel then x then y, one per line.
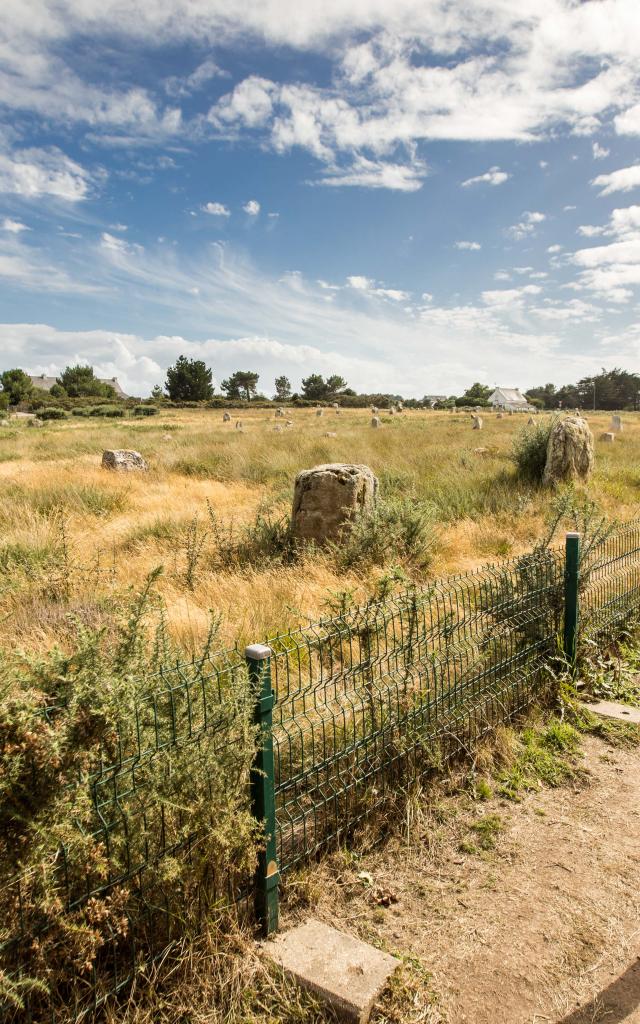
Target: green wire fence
pixel 347 712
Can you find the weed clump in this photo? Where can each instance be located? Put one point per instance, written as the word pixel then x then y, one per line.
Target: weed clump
pixel 392 529
pixel 529 451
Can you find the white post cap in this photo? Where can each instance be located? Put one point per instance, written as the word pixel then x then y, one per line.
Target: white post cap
pixel 257 652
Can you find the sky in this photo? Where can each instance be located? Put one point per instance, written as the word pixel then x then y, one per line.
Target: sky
pixel 415 194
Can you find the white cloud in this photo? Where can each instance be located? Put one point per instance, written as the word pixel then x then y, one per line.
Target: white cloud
pixel 612 270
pixel 471 246
pixel 252 207
pixel 186 86
pixel 217 209
pixel 14 227
pixel 590 230
pixel 33 173
pixel 622 180
pixel 365 173
pixel 554 248
pixel 526 226
pixel 599 152
pixel 509 296
pixel 628 122
pixel 494 176
pixel 369 287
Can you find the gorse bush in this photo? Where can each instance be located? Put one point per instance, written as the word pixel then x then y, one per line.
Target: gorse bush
pixel 51 413
pixel 145 410
pixel 391 529
pixel 529 451
pixel 88 849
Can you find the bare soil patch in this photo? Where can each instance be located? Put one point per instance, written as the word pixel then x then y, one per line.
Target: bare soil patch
pixel 520 913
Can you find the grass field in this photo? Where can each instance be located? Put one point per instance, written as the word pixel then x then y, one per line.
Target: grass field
pixel 216 499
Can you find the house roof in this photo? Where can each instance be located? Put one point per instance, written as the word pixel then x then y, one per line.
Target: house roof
pixel 46 383
pixel 512 396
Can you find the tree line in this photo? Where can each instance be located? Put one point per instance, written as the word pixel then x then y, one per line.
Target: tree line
pixel 191 380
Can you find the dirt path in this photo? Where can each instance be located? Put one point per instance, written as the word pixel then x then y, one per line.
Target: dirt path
pixel 545 927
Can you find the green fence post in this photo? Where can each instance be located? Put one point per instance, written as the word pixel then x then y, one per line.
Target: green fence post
pixel 572 558
pixel 263 801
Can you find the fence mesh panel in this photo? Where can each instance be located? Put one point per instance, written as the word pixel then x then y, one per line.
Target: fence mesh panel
pixel 366 702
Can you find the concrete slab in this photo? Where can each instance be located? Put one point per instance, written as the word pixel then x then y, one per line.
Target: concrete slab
pixel 620 712
pixel 344 972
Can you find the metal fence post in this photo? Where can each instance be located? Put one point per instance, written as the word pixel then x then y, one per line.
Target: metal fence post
pixel 263 803
pixel 572 558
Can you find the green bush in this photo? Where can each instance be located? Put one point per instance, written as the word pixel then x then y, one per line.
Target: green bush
pixel 529 451
pixel 392 528
pixel 51 413
pixel 80 412
pixel 112 411
pixel 145 410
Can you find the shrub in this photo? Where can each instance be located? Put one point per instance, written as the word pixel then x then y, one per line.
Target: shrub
pixel 66 715
pixel 529 451
pixel 145 410
pixel 80 412
pixel 392 528
pixel 51 413
pixel 112 411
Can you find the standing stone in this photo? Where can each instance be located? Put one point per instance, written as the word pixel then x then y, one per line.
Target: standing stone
pixel 278 427
pixel 477 423
pixel 279 413
pixel 326 497
pixel 608 438
pixel 289 423
pixel 392 411
pixel 375 421
pixel 238 424
pixel 400 407
pixel 616 424
pixel 319 412
pixel 569 452
pixel 334 405
pixel 123 461
pixel 499 415
pixel 374 410
pixel 530 421
pixel 226 418
pixel 330 433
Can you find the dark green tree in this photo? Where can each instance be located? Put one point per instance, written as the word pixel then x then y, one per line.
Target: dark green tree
pixel 314 388
pixel 189 380
pixel 80 381
pixel 17 386
pixel 547 394
pixel 283 388
pixel 477 394
pixel 241 384
pixel 335 385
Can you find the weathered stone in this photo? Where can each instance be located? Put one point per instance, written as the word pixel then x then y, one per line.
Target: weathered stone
pixel 278 427
pixel 530 421
pixel 319 412
pixel 499 415
pixel 289 423
pixel 167 437
pixel 238 424
pixel 123 461
pixel 226 418
pixel 279 413
pixel 616 424
pixel 477 423
pixel 392 411
pixel 334 405
pixel 327 496
pixel 375 421
pixel 343 972
pixel 374 410
pixel 480 451
pixel 35 423
pixel 330 433
pixel 608 437
pixel 569 452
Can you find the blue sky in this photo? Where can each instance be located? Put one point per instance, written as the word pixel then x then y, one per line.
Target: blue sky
pixel 414 193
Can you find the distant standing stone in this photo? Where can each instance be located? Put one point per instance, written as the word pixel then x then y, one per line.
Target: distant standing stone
pixel 326 497
pixel 330 433
pixel 238 424
pixel 278 427
pixel 499 415
pixel 530 421
pixel 374 409
pixel 477 422
pixel 226 418
pixel 289 423
pixel 608 437
pixel 569 452
pixel 123 461
pixel 375 421
pixel 616 424
pixel 319 412
pixel 279 413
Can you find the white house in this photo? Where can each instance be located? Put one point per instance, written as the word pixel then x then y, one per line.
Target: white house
pixel 510 399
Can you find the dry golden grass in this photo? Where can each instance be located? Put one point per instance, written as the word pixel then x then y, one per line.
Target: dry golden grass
pixel 56 498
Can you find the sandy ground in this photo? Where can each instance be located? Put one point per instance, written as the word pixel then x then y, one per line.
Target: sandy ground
pixel 545 927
